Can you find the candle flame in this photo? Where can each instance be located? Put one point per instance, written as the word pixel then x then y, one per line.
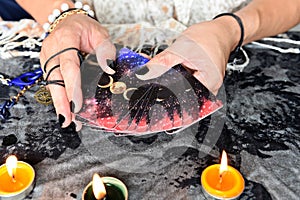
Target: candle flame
pixel 11 166
pixel 98 187
pixel 224 165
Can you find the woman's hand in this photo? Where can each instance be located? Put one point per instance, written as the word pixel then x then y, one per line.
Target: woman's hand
pixel 203 48
pixel 86 34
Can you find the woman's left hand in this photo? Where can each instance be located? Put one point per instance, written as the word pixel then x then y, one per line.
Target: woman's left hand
pixel 202 48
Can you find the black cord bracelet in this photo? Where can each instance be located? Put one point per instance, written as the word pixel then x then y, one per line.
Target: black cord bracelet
pixel 80 56
pixel 239 21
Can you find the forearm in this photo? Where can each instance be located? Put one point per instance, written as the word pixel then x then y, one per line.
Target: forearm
pixel 41 9
pixel 262 18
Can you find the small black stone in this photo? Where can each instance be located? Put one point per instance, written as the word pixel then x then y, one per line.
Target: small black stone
pixel 9 140
pixel 73 195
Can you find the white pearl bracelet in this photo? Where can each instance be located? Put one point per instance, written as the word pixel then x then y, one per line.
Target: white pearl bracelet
pixel 63 8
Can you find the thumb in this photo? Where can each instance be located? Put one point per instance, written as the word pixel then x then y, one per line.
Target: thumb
pixel 106 54
pixel 159 65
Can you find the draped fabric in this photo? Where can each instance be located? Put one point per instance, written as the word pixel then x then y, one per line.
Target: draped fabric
pixel 153 16
pixel 130 23
pixel 186 12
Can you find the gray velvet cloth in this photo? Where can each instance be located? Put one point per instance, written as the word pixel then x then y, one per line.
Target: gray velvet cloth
pixel 258 127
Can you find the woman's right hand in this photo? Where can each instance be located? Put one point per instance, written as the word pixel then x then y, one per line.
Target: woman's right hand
pixel 87 35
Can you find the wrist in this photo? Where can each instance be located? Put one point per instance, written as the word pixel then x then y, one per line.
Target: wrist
pixel 230 31
pixel 65 10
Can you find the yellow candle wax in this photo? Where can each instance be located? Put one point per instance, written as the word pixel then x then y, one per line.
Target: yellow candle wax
pixel 19 184
pixel 230 187
pixel 222 182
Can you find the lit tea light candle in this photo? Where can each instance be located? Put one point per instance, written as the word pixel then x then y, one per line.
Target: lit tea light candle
pixel 98 187
pixel 16 179
pixel 105 188
pixel 221 181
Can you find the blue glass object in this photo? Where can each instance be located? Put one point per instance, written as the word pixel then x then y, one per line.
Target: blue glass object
pixel 26 79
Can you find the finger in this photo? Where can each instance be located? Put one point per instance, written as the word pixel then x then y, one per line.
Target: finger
pixel 195 58
pixel 70 70
pixel 48 66
pixel 205 71
pixel 106 53
pixel 210 81
pixel 58 93
pixel 59 98
pixel 47 58
pixel 159 65
pixel 78 124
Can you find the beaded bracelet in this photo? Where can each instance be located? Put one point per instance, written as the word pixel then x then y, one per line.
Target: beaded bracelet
pixel 239 21
pixel 58 15
pixel 64 15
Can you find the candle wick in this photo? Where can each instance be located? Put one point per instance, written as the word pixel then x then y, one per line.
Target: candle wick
pixel 13 179
pixel 221 178
pixel 219 185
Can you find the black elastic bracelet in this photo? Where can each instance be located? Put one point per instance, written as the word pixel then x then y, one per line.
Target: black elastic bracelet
pixel 238 19
pixel 56 82
pixel 80 56
pixel 51 70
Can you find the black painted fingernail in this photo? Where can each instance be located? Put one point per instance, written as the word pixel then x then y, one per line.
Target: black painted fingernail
pixel 70 128
pixel 110 63
pixel 61 119
pixel 72 106
pixel 142 71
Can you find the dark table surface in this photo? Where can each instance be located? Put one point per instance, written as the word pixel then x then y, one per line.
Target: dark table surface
pixel 259 127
